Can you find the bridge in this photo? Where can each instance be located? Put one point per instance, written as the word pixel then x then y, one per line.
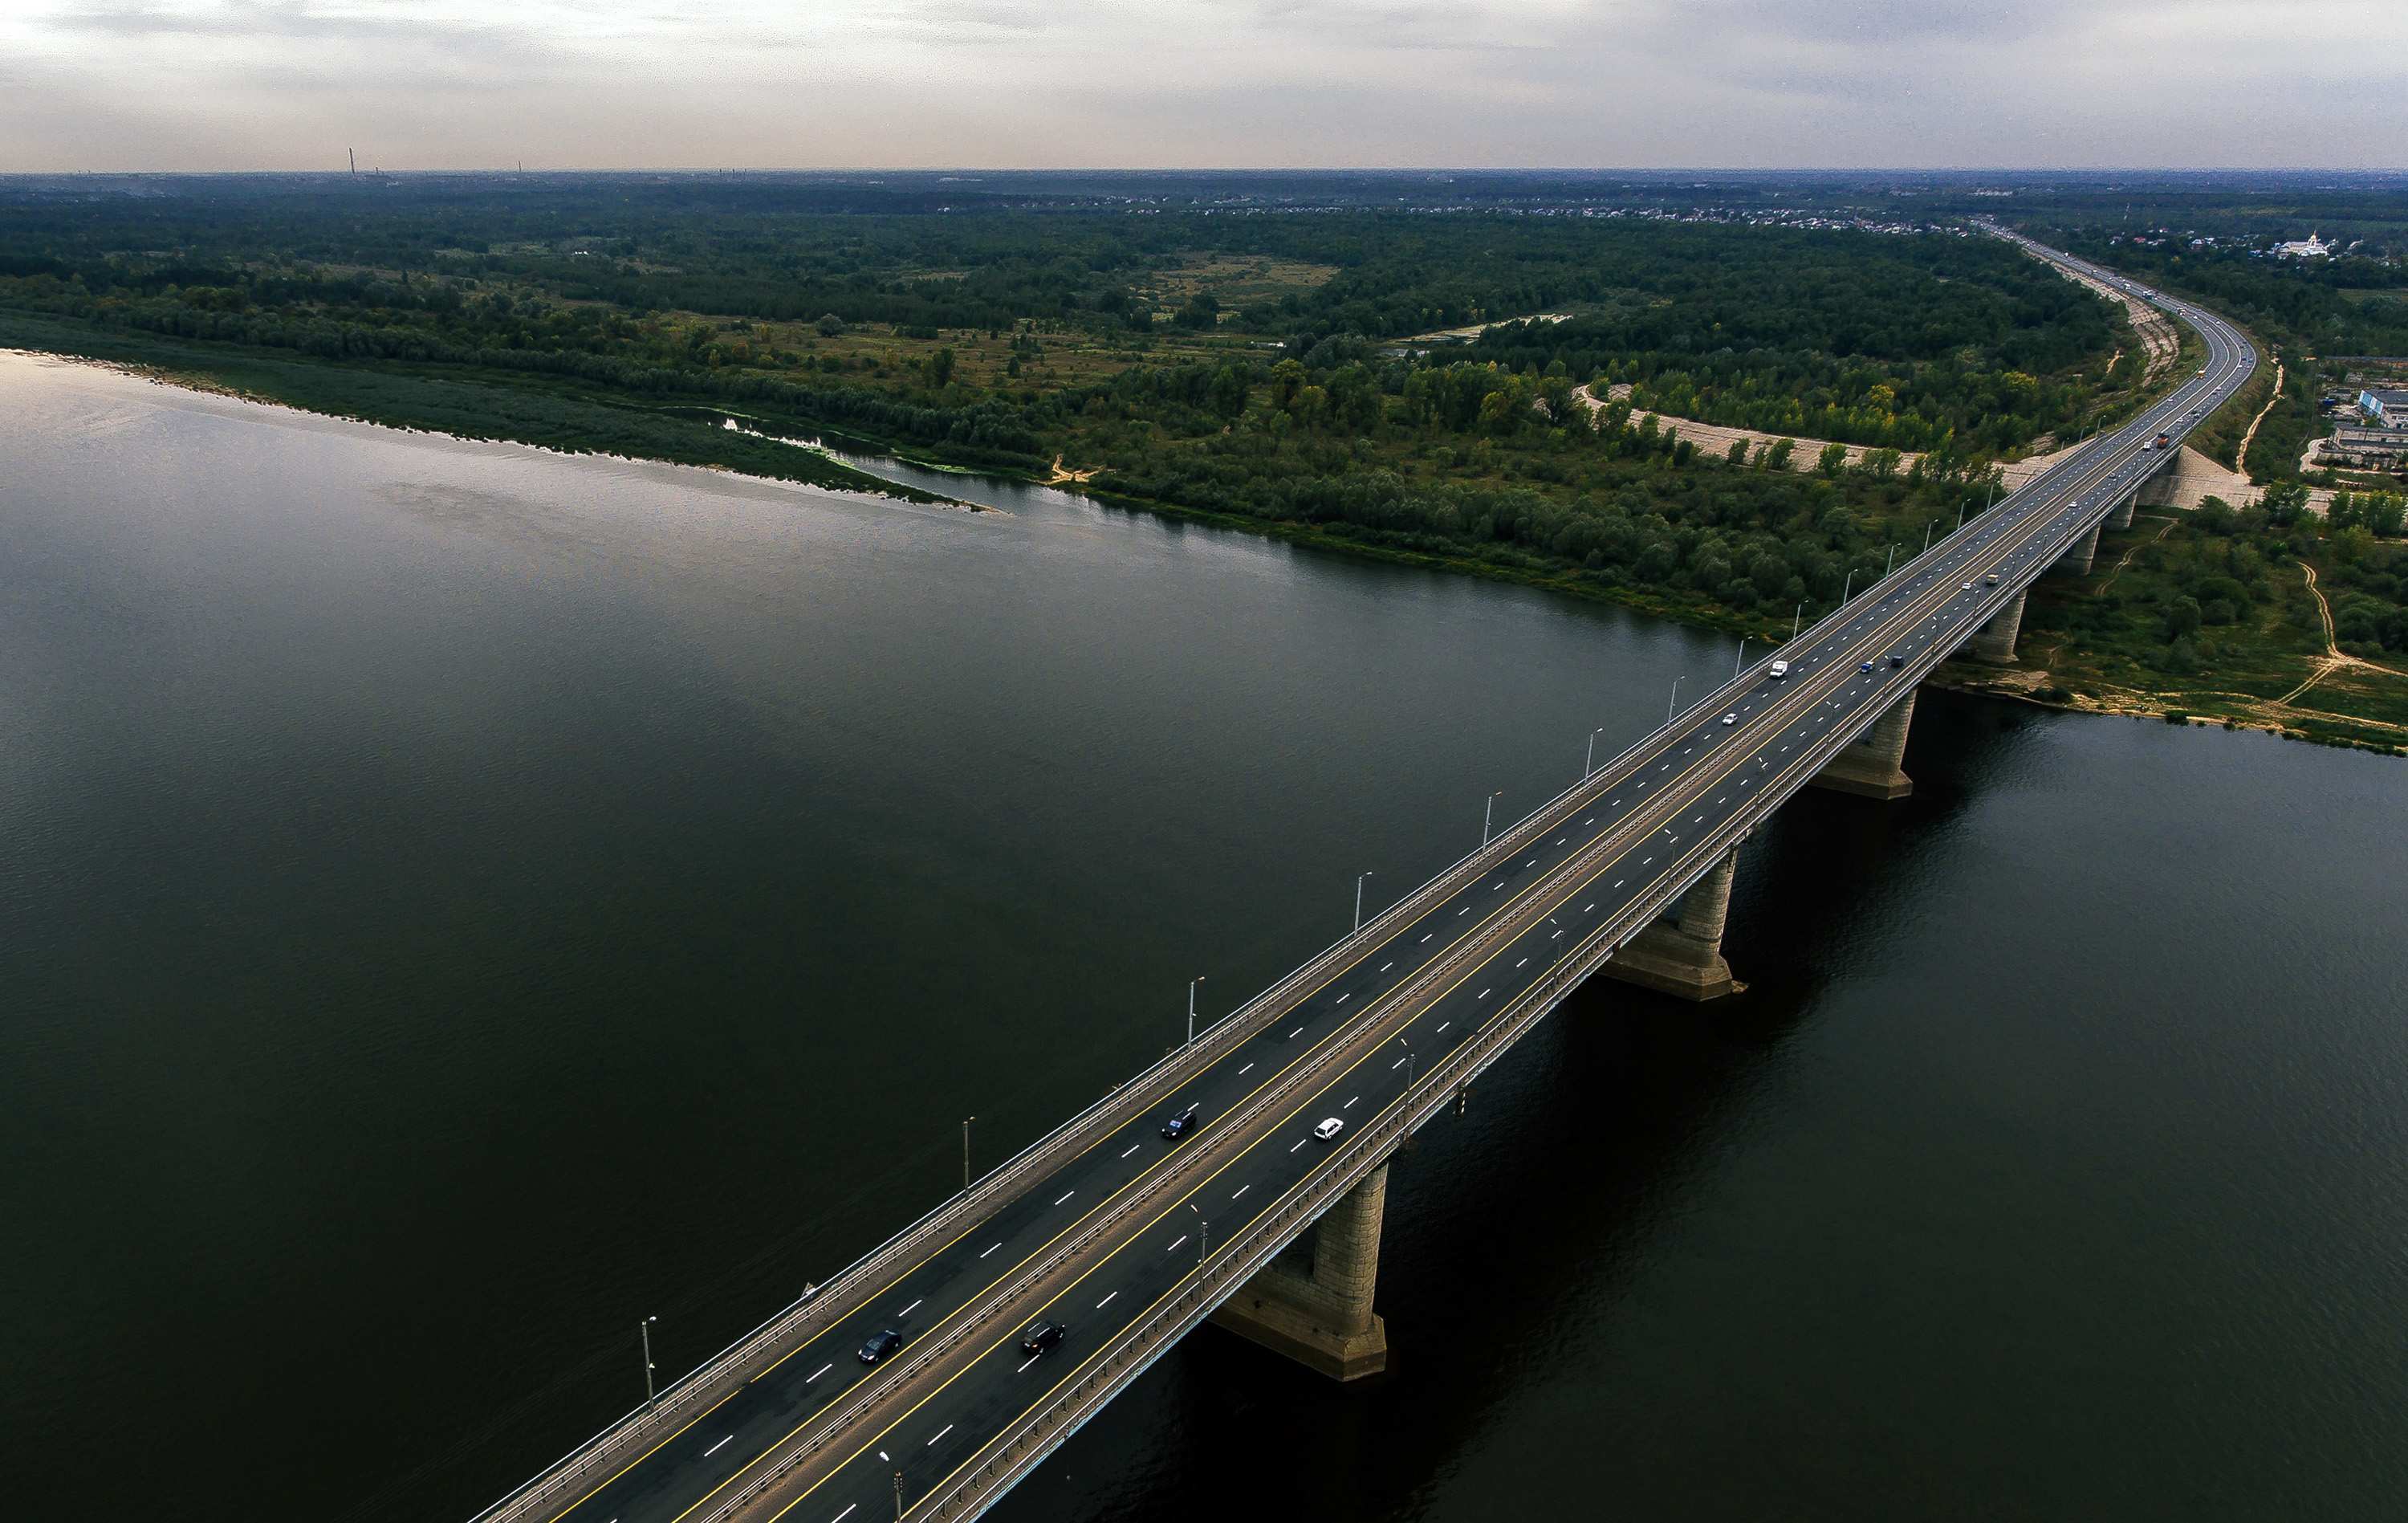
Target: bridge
pixel 1264 1218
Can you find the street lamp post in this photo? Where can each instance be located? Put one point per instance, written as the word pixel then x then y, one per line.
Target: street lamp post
pixel 645 1328
pixel 1359 896
pixel 966 1152
pixel 1671 706
pixel 1743 657
pixel 1410 1067
pixel 1489 814
pixel 1588 763
pixel 1797 618
pixel 1927 533
pixel 1891 562
pixel 1845 585
pixel 1191 1005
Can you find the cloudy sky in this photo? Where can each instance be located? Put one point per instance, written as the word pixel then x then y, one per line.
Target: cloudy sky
pixel 289 84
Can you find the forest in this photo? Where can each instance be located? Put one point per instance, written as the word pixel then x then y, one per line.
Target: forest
pixel 1286 365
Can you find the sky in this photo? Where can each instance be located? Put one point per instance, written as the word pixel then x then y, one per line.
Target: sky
pixel 115 85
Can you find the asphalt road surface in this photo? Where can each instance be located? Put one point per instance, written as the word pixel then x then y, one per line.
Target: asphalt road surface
pixel 1394 1006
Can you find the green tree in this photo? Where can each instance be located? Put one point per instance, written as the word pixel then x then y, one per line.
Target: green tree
pixel 1834 456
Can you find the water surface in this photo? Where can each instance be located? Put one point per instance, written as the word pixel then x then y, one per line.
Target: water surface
pixel 461 899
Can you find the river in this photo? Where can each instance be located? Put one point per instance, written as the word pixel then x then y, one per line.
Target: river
pixel 461 900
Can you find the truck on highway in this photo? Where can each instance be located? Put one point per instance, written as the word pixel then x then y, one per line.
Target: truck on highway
pixel 2165 441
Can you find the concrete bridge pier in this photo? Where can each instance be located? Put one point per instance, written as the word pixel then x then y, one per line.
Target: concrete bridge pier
pixel 2078 556
pixel 1682 953
pixel 2122 517
pixel 1313 1302
pixel 1869 767
pixel 1996 640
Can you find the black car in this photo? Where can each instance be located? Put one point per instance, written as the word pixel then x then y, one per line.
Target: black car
pixel 1042 1338
pixel 881 1345
pixel 1184 1122
pixel 1895 661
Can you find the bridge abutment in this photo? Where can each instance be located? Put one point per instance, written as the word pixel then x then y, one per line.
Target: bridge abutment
pixel 2078 556
pixel 1313 1302
pixel 1682 955
pixel 2122 517
pixel 1870 766
pixel 1996 640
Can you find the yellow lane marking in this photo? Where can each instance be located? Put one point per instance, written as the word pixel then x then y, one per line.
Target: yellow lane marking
pixel 646 1454
pixel 1371 1046
pixel 1831 679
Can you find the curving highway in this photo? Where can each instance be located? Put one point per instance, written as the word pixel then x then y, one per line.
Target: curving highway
pixel 1126 1238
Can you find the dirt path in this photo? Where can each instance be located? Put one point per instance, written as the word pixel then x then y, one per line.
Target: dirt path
pixel 2159 342
pixel 1805 455
pixel 1071 478
pixel 2126 558
pixel 2332 660
pixel 2240 455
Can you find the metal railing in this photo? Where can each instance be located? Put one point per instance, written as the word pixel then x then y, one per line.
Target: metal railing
pixel 840 1295
pixel 823 1305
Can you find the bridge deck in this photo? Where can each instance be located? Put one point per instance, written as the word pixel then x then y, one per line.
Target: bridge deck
pixel 1128 1239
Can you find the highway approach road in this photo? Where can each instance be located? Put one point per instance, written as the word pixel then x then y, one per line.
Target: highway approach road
pixel 1374 1016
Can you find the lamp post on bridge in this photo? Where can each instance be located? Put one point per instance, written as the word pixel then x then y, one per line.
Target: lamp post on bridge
pixel 1797 618
pixel 1489 814
pixel 1588 763
pixel 1359 896
pixel 1410 1067
pixel 1927 533
pixel 1743 657
pixel 645 1329
pixel 1891 562
pixel 1191 1005
pixel 1845 585
pixel 1675 702
pixel 966 1150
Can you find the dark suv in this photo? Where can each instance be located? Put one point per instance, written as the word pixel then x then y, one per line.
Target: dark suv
pixel 1184 1122
pixel 882 1344
pixel 1042 1338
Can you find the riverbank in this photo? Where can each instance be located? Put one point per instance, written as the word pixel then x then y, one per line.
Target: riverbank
pixel 2075 678
pixel 419 399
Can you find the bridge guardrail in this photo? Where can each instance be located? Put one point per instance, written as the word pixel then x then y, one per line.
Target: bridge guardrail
pixel 1011 1456
pixel 1463 953
pixel 835 1296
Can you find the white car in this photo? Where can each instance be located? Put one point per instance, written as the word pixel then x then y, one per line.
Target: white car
pixel 1330 1129
pixel 1731 719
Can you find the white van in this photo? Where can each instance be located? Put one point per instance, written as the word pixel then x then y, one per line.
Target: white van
pixel 1779 669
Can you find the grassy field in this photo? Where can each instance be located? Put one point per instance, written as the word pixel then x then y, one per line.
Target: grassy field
pixel 2101 642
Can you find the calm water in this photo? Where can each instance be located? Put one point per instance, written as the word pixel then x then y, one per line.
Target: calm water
pixel 459 901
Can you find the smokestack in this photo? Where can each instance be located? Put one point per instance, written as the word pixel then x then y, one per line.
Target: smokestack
pixel 354 158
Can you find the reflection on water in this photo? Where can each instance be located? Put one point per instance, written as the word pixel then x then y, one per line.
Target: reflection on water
pixel 462 900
